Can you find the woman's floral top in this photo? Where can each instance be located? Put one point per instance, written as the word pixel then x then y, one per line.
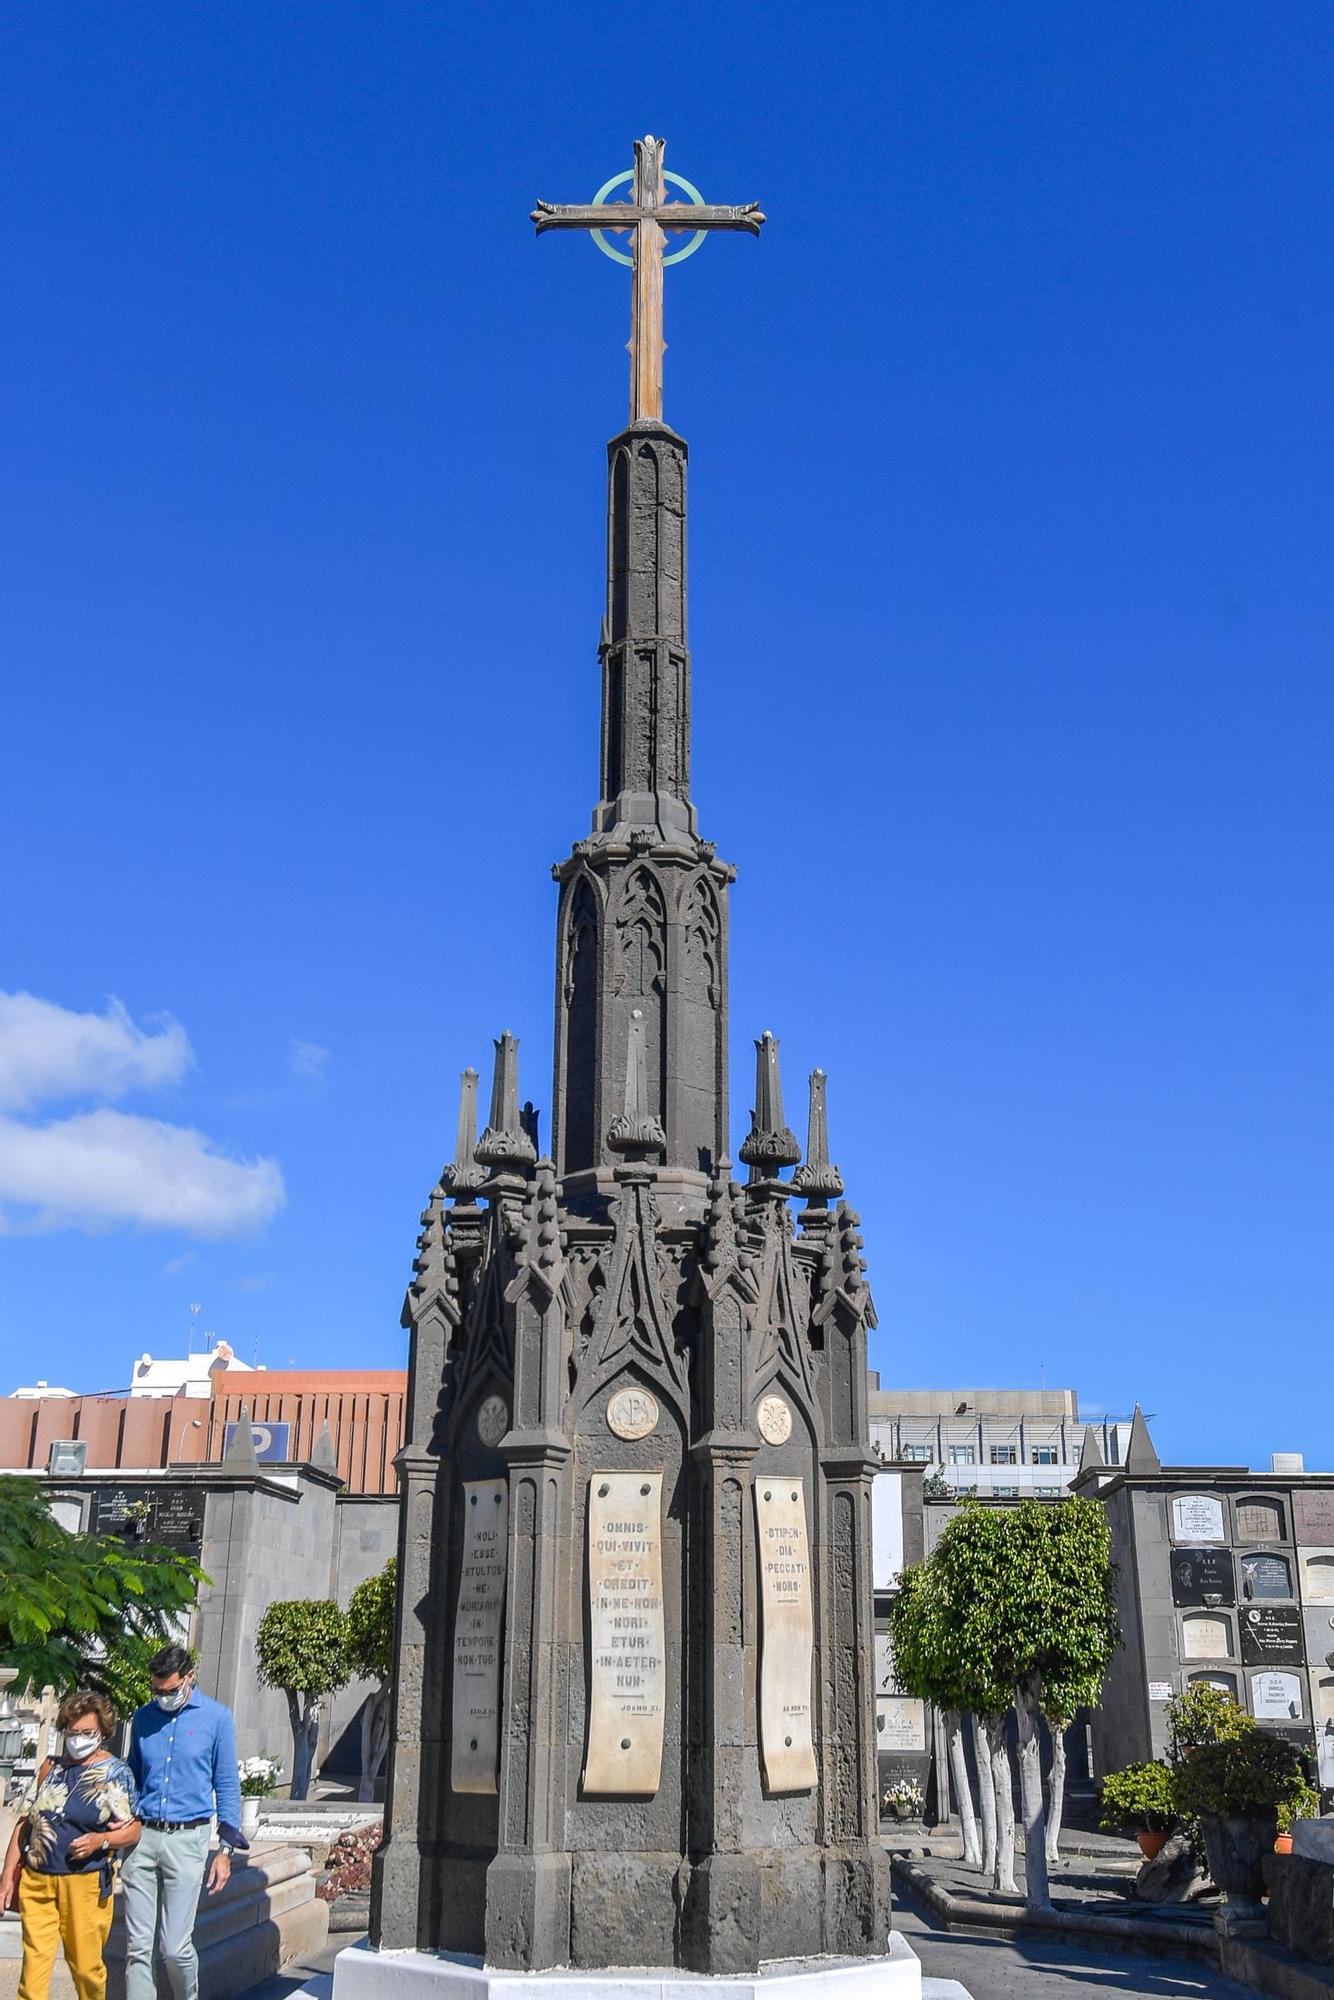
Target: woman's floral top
pixel 74 1799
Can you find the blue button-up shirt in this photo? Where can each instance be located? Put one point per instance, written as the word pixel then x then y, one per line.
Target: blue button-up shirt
pixel 185 1764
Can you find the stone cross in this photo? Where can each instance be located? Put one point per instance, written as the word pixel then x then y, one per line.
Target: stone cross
pixel 648 215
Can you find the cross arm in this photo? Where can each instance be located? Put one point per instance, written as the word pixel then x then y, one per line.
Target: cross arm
pixel 747 216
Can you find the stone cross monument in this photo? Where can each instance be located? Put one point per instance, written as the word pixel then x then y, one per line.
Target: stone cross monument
pixel 634 1718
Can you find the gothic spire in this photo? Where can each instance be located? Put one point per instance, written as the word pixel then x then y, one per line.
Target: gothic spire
pixel 506 1144
pixel 819 1179
pixel 769 1145
pixel 464 1173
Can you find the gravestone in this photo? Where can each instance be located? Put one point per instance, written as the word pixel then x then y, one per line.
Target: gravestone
pixel 652 1740
pixel 1271 1636
pixel 1203 1576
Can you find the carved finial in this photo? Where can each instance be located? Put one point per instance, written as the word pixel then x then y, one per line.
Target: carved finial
pixel 636 1133
pixel 769 1145
pixel 541 1254
pixel 842 1280
pixel 818 1179
pixel 505 1143
pixel 434 1277
pixel 464 1173
pixel 725 1224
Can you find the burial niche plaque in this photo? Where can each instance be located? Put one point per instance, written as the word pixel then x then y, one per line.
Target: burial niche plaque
pixel 1197 1517
pixel 628 1656
pixel 475 1745
pixel 787 1635
pixel 1271 1636
pixel 1203 1576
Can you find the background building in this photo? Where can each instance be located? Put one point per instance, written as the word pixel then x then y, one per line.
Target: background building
pixel 1001 1444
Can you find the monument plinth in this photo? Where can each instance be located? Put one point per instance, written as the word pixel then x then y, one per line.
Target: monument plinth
pixel 634 1698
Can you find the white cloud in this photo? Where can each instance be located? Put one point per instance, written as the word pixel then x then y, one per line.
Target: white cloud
pixel 48 1053
pixel 103 1169
pixel 307 1059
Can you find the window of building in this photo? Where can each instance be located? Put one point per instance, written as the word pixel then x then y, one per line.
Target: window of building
pixel 1045 1454
pixel 963 1454
pixel 1006 1492
pixel 1047 1492
pixel 916 1454
pixel 1004 1454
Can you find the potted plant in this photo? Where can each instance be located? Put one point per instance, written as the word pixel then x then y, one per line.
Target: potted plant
pixel 1140 1800
pixel 259 1775
pixel 1236 1790
pixel 904 1800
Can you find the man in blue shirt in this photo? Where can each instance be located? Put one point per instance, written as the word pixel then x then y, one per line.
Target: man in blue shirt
pixel 183 1758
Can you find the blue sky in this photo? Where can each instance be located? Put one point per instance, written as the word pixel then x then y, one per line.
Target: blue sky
pixel 1011 610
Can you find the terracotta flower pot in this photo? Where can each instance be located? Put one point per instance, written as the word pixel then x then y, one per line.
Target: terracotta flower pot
pixel 1283 1845
pixel 1151 1843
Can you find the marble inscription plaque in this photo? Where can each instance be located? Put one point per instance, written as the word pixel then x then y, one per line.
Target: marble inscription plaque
pixel 628 1657
pixel 1276 1697
pixel 475 1742
pixel 1203 1576
pixel 1197 1517
pixel 900 1723
pixel 787 1635
pixel 1271 1636
pixel 1314 1513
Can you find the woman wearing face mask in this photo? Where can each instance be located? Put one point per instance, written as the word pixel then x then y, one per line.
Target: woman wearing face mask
pixel 81 1812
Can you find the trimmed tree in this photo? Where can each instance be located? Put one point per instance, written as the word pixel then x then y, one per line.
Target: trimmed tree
pixel 1061 1630
pixel 925 1667
pixel 370 1655
pixel 301 1648
pixel 82 1610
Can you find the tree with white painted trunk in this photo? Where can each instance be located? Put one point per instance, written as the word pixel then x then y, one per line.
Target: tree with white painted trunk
pixel 1015 1609
pixel 925 1665
pixel 301 1648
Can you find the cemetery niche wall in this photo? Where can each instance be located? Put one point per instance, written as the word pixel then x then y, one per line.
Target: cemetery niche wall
pixel 651 1741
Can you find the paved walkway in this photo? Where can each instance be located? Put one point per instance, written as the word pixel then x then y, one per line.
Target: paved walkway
pixel 1039 1968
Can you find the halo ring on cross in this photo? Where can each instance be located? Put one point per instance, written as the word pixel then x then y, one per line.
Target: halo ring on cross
pixel 623 256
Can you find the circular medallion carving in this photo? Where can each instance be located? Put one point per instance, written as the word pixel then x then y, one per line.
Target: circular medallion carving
pixel 493 1420
pixel 774 1419
pixel 632 1413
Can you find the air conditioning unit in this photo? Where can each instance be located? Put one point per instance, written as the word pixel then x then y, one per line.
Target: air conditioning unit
pixel 67 1458
pixel 1285 1463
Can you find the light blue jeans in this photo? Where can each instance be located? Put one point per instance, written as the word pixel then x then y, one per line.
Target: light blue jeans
pixel 160 1883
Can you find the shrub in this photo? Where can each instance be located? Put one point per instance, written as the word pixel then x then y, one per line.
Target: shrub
pixel 1203 1714
pixel 1251 1774
pixel 1140 1799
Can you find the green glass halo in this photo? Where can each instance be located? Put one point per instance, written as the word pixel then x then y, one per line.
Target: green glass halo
pixel 623 256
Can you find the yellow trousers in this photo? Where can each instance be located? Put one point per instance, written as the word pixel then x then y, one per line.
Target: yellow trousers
pixel 63 1909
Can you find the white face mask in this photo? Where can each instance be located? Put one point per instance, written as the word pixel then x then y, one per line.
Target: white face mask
pixel 82 1743
pixel 177 1698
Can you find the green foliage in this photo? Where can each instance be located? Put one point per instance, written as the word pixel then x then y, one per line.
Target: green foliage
pixel 1240 1776
pixel 1203 1714
pixel 301 1646
pixel 1011 1598
pixel 370 1625
pixel 82 1609
pixel 1302 1802
pixel 1140 1799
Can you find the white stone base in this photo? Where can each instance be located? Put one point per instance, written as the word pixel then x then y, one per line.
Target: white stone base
pixel 362 1974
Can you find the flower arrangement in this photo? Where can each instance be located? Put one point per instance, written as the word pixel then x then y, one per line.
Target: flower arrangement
pixel 904 1799
pixel 259 1775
